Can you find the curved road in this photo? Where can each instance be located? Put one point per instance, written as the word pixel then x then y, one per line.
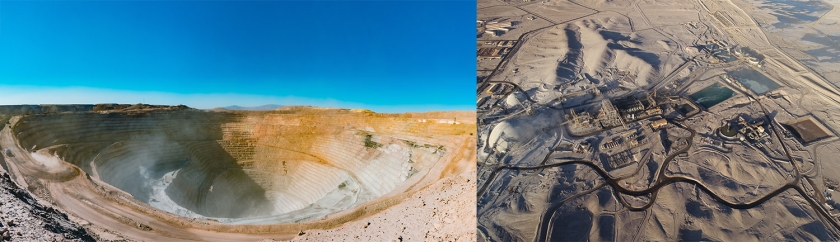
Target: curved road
pixel 661 180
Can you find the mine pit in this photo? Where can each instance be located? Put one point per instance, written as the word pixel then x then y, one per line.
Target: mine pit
pixel 224 169
pixel 185 164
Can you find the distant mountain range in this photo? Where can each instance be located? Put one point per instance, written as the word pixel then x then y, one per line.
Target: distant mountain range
pixel 256 108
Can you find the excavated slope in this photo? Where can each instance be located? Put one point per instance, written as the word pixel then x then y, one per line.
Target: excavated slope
pixel 291 165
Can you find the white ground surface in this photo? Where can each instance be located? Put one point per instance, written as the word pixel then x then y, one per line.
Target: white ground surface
pixel 435 214
pixel 635 45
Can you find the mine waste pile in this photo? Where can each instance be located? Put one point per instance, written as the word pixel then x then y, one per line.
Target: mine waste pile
pixel 181 173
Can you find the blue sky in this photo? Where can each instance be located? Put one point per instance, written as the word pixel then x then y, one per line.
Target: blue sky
pixel 383 55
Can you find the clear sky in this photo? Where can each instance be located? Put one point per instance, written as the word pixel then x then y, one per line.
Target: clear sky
pixel 383 55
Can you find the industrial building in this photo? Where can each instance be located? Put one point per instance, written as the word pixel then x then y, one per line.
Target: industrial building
pixel 608 115
pixel 658 124
pixel 506 43
pixel 580 120
pixel 753 130
pixel 494 28
pixel 492 52
pixel 728 132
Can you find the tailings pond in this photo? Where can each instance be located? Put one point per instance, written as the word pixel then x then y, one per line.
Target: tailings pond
pixel 754 80
pixel 712 95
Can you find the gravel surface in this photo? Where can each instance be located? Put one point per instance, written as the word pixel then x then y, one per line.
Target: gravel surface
pixel 443 212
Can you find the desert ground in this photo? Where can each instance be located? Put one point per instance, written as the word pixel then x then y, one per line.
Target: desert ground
pixel 161 173
pixel 658 121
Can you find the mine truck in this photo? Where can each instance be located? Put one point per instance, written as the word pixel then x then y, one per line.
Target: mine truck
pixel 8 152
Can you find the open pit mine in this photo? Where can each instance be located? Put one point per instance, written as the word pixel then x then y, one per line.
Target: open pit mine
pixel 172 173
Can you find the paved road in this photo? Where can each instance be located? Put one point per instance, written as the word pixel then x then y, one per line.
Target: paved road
pixel 661 181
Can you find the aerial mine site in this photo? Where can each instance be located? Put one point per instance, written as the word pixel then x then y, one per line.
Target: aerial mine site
pixel 658 120
pixel 113 172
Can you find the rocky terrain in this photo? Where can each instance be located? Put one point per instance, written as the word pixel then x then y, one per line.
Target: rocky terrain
pixel 22 218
